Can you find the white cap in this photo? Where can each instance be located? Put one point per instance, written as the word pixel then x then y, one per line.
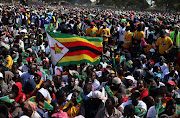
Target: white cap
pixel 116 80
pixel 131 78
pixel 24 30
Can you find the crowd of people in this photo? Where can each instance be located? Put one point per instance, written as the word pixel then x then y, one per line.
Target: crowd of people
pixel 138 73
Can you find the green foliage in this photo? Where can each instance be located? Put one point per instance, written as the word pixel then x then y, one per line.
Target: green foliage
pixel 78 1
pixel 141 4
pixel 168 5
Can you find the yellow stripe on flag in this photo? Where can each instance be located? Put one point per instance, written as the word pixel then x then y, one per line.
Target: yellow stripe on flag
pixel 74 39
pixel 78 58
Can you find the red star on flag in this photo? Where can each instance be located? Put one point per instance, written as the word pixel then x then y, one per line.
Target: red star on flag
pixel 57 49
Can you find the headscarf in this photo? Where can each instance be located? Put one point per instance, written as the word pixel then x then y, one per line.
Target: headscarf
pixel 45 94
pixel 60 114
pixel 98 94
pixel 31 105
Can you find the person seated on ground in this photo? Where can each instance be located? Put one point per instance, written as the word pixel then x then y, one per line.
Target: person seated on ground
pixel 170 110
pixel 17 88
pixel 140 106
pixel 72 107
pixel 71 87
pixel 30 110
pixel 109 110
pixel 129 112
pixel 172 75
pixel 56 112
pixel 61 98
pixel 87 91
pixel 152 113
pixel 118 86
pixel 4 111
pixel 90 106
pixel 15 108
pixel 171 89
pixel 140 87
pixel 41 97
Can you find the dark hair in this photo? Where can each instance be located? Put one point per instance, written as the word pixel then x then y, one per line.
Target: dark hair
pixel 112 100
pixel 54 103
pixel 59 94
pixel 162 98
pixel 4 110
pixel 170 102
pixel 130 108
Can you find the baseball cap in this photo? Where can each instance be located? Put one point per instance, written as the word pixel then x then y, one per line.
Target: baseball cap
pixel 92 23
pixel 39 73
pixel 171 82
pixel 29 49
pixel 116 80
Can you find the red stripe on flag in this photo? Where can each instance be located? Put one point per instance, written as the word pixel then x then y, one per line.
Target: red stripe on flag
pixel 80 43
pixel 76 53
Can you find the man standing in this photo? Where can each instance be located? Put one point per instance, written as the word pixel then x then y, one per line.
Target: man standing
pixel 175 36
pixel 92 30
pixel 105 33
pixel 164 44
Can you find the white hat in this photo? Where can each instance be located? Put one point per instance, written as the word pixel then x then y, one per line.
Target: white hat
pixel 1 75
pixel 73 72
pixel 116 80
pixel 131 78
pixel 24 31
pixel 152 50
pixel 45 93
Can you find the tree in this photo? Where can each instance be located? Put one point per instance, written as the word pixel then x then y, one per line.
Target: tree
pixel 141 4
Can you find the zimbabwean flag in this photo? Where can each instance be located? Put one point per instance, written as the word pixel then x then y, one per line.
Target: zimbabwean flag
pixel 69 49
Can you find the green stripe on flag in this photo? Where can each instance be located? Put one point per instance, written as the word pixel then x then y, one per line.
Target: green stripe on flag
pixel 61 35
pixel 79 62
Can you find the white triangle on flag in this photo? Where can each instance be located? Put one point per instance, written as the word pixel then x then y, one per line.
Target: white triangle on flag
pixel 56 55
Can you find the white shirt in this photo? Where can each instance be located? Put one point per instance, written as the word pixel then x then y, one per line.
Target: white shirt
pixel 96 84
pixel 166 71
pixel 47 50
pixel 122 34
pixel 140 103
pixel 151 112
pixel 163 67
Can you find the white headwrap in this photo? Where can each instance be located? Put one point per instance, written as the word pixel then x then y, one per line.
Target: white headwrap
pixel 45 93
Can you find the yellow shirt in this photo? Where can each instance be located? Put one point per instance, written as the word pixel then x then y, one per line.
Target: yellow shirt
pixel 139 35
pixel 163 44
pixel 92 32
pixel 10 62
pixel 103 33
pixel 28 16
pixel 73 111
pixel 147 48
pixel 127 40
